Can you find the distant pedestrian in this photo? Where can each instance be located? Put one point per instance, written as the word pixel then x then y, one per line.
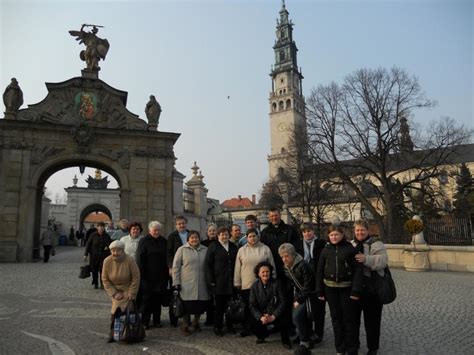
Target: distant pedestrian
pixel 211 238
pixel 92 229
pixel 97 249
pixel 48 241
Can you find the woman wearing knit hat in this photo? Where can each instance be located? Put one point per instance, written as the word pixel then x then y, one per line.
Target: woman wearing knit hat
pixel 121 278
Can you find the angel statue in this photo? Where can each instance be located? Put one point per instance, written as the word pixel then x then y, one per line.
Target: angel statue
pixel 96 48
pixel 153 112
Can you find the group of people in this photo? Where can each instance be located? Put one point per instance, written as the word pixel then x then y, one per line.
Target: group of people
pixel 283 277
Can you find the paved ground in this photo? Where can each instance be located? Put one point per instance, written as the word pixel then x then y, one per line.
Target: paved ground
pixel 47 309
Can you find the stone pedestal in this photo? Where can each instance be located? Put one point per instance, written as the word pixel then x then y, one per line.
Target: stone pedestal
pixel 416 260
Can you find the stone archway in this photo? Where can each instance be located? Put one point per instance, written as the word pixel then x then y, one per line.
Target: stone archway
pixel 94 207
pixel 52 135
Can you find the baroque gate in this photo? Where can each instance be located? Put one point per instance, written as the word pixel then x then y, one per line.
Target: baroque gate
pixel 82 121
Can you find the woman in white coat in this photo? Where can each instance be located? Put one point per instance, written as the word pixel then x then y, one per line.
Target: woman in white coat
pixel 189 279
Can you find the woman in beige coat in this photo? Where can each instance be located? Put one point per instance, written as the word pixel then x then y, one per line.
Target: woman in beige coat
pixel 189 278
pixel 121 278
pixel 248 256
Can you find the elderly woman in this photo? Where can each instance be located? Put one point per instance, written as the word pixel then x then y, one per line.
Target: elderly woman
pixel 151 259
pixel 131 240
pixel 189 278
pixel 121 278
pixel 98 248
pixel 220 263
pixel 373 256
pixel 300 277
pixel 267 304
pixel 248 256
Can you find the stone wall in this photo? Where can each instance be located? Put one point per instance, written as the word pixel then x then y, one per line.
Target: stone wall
pixel 443 258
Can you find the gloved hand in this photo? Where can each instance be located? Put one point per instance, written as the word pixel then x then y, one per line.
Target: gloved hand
pixel 177 288
pixel 85 258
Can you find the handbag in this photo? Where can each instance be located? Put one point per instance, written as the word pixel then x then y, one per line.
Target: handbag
pixel 384 286
pixel 176 305
pixel 85 272
pixel 236 309
pixel 133 330
pixel 309 308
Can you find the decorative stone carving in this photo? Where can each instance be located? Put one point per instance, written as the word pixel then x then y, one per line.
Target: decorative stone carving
pixel 153 112
pixel 12 98
pixel 40 154
pixel 83 135
pixel 122 157
pixel 154 152
pixel 96 47
pixel 80 100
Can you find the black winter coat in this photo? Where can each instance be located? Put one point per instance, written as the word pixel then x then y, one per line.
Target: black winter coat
pixel 220 266
pixel 174 242
pixel 337 263
pixel 304 275
pixel 151 260
pixel 276 236
pixel 318 247
pixel 98 248
pixel 269 299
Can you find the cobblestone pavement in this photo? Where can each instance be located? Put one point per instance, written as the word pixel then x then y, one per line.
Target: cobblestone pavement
pixel 47 309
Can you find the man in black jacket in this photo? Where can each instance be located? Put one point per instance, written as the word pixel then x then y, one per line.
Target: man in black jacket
pixel 310 247
pixel 151 260
pixel 176 239
pixel 276 234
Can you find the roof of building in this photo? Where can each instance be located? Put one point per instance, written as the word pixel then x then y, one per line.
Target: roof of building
pixel 237 202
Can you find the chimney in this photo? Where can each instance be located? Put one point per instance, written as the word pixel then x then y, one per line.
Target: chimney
pixel 253 199
pixel 240 197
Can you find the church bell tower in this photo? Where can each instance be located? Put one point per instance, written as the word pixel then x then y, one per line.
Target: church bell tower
pixel 287 103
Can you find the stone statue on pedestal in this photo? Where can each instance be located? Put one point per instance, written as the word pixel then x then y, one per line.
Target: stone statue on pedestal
pixel 153 112
pixel 12 98
pixel 96 47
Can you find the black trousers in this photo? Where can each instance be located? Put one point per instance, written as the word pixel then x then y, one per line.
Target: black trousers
pixel 221 302
pixel 210 312
pixel 372 308
pixel 245 295
pixel 151 306
pixel 96 270
pixel 46 252
pixel 319 314
pixel 343 316
pixel 261 330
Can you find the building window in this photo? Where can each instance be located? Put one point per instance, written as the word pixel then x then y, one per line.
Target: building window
pixel 280 105
pixel 282 56
pixel 288 104
pixel 274 107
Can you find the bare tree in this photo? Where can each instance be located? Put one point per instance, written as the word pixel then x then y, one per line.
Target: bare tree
pixel 354 130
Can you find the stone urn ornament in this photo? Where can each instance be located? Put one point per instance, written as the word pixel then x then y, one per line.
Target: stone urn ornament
pixel 416 255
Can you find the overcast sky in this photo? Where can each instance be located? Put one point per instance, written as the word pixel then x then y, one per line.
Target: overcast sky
pixel 193 54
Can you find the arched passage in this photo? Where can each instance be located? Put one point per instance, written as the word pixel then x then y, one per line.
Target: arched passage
pixel 48 168
pixel 94 207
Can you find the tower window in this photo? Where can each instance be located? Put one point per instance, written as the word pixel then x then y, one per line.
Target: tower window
pixel 280 105
pixel 288 104
pixel 274 107
pixel 282 80
pixel 280 92
pixel 284 91
pixel 282 56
